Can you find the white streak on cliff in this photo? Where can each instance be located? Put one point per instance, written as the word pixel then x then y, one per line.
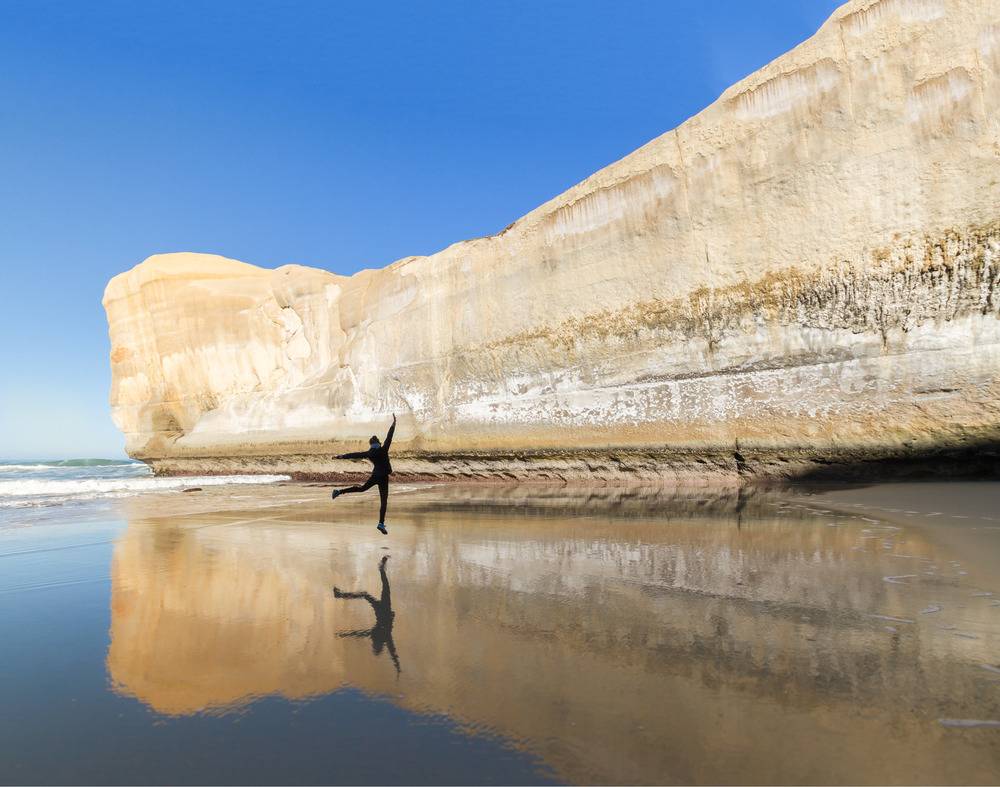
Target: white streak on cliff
pixel 808 265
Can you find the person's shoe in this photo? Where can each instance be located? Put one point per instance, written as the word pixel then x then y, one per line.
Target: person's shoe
pixel 334 494
pixel 336 591
pixel 381 529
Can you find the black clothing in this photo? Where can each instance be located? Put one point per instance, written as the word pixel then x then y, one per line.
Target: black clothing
pixel 383 491
pixel 381 470
pixel 377 455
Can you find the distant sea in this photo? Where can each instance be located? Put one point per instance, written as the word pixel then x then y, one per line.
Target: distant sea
pixel 25 484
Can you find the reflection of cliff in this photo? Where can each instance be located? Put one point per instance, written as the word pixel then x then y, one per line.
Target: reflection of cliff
pixel 200 623
pixel 653 650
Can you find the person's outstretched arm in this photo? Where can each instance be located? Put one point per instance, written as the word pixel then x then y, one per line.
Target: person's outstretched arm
pixel 388 435
pixel 355 455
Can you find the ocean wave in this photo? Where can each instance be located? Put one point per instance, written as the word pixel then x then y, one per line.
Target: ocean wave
pixel 32 491
pixel 90 462
pixel 68 463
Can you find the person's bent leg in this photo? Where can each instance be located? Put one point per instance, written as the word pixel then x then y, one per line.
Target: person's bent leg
pixel 358 488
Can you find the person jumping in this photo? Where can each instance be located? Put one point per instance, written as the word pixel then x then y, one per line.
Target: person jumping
pixel 378 455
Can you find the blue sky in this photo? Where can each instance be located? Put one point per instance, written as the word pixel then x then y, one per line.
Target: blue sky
pixel 330 134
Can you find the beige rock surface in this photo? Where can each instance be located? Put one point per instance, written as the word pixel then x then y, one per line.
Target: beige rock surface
pixel 805 272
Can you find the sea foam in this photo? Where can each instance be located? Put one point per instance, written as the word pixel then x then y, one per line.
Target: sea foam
pixel 55 483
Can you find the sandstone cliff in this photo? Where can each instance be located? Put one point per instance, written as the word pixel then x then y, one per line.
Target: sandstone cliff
pixel 804 273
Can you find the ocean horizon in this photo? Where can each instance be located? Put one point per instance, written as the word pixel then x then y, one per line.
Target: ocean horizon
pixel 29 483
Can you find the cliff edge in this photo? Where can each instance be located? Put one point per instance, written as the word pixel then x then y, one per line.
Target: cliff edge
pixel 803 275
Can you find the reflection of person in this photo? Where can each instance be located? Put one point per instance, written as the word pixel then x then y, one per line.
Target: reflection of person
pixel 378 455
pixel 381 632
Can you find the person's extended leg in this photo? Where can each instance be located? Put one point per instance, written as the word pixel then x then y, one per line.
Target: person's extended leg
pixel 385 600
pixel 383 493
pixel 359 488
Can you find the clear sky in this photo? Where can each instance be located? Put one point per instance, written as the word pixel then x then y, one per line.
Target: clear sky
pixel 339 135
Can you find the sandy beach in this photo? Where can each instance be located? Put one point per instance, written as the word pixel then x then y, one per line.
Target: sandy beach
pixel 664 338
pixel 542 633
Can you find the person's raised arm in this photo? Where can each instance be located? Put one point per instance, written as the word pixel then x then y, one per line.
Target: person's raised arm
pixel 388 435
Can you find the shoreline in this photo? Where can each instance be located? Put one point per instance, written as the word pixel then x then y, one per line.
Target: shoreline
pixel 738 465
pixel 886 501
pixel 786 629
pixel 879 497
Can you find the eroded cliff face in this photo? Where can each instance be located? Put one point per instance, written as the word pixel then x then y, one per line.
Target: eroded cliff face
pixel 806 272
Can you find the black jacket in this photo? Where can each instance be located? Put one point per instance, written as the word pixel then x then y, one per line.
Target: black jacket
pixel 379 457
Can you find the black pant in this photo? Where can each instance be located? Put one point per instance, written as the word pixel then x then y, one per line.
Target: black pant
pixel 383 491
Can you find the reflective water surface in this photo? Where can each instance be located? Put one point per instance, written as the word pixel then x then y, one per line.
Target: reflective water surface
pixel 507 636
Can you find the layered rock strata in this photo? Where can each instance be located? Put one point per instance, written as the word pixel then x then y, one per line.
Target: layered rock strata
pixel 804 274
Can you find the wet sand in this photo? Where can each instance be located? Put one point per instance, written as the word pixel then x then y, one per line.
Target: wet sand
pixel 542 633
